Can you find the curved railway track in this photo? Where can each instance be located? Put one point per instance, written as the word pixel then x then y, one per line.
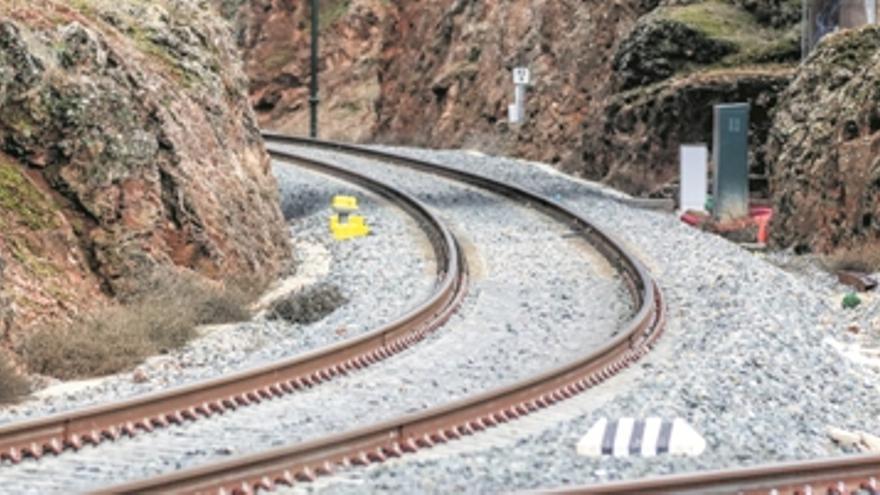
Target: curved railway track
pixel 71 430
pixel 857 475
pixel 304 462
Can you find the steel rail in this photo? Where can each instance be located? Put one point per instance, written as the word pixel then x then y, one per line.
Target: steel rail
pixel 70 430
pixel 304 462
pixel 843 475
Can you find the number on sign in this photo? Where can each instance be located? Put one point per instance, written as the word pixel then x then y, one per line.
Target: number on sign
pixel 735 125
pixel 521 75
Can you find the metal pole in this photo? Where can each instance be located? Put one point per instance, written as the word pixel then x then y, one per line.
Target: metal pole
pixel 313 98
pixel 805 29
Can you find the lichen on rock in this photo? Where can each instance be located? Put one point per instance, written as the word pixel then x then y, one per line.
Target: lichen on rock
pixel 825 140
pixel 129 122
pixel 684 36
pixel 658 49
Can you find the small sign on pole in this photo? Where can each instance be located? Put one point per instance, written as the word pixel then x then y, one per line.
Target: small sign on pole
pixel 522 75
pixel 694 182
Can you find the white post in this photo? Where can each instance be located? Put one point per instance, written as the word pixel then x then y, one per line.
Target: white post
pixel 513 113
pixel 520 102
pixel 517 111
pixel 694 181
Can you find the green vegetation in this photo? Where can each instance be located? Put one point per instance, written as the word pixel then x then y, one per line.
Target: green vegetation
pixel 119 337
pixel 85 7
pixel 27 257
pixel 331 11
pixel 21 202
pixel 350 106
pixel 279 59
pixel 755 42
pixel 144 42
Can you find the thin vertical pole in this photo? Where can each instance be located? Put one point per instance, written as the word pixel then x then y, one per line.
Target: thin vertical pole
pixel 805 29
pixel 313 98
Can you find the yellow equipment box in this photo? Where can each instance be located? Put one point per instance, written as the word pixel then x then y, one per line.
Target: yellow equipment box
pixel 345 203
pixel 355 227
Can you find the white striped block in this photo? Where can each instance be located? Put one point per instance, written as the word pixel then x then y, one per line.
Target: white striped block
pixel 643 437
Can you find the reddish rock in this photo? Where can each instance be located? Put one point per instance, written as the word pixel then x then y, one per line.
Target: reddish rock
pixel 127 144
pixel 439 74
pixel 447 73
pixel 275 37
pixel 825 140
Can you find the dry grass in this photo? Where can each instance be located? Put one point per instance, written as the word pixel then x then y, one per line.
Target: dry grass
pixel 861 258
pixel 13 386
pixel 115 339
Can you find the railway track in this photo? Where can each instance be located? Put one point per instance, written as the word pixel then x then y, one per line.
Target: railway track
pixel 857 475
pixel 304 462
pixel 71 430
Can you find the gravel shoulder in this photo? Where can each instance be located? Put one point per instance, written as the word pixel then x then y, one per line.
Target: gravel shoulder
pixel 751 358
pixel 377 292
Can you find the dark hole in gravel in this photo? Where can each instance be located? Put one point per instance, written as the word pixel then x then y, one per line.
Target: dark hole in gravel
pixel 305 202
pixel 309 305
pixel 850 131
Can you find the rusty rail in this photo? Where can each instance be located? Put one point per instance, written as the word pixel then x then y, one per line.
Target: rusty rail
pixel 304 462
pixel 202 399
pixel 844 475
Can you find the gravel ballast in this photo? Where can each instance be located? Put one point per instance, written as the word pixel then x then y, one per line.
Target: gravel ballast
pixel 538 296
pixel 749 358
pixel 377 293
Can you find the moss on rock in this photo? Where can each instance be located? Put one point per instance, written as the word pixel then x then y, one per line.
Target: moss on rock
pixel 21 202
pixel 130 146
pixel 680 38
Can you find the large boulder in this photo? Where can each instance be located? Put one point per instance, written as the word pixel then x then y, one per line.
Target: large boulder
pixel 687 35
pixel 824 143
pixel 126 144
pixel 658 48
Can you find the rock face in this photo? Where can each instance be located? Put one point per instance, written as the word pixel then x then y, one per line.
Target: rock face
pixel 439 74
pixel 638 147
pixel 274 36
pixel 679 61
pixel 656 50
pixel 825 140
pixel 127 144
pixel 447 73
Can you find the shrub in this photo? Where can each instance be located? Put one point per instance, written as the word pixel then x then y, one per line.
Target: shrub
pixel 13 386
pixel 163 318
pixel 862 258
